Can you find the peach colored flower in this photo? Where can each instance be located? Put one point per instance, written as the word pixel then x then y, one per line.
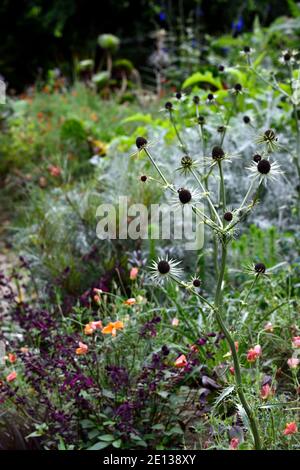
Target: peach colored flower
pixel 54 170
pixel 12 358
pixel 112 328
pixel 266 391
pixel 194 348
pixel 130 301
pixel 92 326
pixel 175 322
pixel 236 344
pixel 134 273
pixel 181 361
pixel 11 377
pixel 234 443
pixel 293 362
pixel 254 353
pixel 231 370
pixel 269 327
pixel 24 350
pixel 296 341
pixel 83 349
pixel 290 428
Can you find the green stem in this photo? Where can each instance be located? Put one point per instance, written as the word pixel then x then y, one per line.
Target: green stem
pixel 184 148
pixel 237 370
pixel 222 186
pixel 157 168
pixel 207 196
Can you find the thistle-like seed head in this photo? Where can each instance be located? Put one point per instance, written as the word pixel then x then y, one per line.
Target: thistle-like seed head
pixel 141 142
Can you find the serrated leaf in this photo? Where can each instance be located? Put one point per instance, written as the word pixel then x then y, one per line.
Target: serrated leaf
pixel 243 415
pixel 224 394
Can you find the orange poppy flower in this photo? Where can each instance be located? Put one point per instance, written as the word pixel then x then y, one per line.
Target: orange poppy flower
pixel 92 326
pixel 112 328
pixel 11 377
pixel 181 361
pixel 130 301
pixel 83 349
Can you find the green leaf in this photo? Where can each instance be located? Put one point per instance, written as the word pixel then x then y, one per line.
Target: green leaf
pixel 199 77
pixel 117 444
pixel 146 118
pixel 224 394
pixel 107 438
pixel 294 8
pixel 99 446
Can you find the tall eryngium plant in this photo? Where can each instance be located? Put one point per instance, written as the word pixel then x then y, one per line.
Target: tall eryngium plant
pixel 221 221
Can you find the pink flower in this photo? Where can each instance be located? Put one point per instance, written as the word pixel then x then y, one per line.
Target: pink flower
pixel 11 377
pixel 54 170
pixel 296 341
pixel 133 273
pixel 293 362
pixel 266 391
pixel 290 428
pixel 231 370
pixel 175 322
pixel 234 443
pixel 181 361
pixel 254 353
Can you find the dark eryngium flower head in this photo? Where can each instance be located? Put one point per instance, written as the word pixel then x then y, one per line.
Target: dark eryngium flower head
pixel 201 120
pixel 264 166
pixel 228 216
pixel 163 266
pixel 141 142
pixel 196 282
pixel 184 195
pixel 178 95
pixel 246 119
pixel 260 268
pixel 164 269
pixel 144 178
pixel 238 88
pixel 210 97
pixel 246 49
pixel 169 106
pixel 186 162
pixel 221 129
pixel 268 138
pixel 217 153
pixel 269 135
pixel 221 68
pixel 196 99
pixel 257 158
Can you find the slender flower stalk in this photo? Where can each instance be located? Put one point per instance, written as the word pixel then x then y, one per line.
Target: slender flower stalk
pixel 168 185
pixel 182 144
pixel 237 369
pixel 207 196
